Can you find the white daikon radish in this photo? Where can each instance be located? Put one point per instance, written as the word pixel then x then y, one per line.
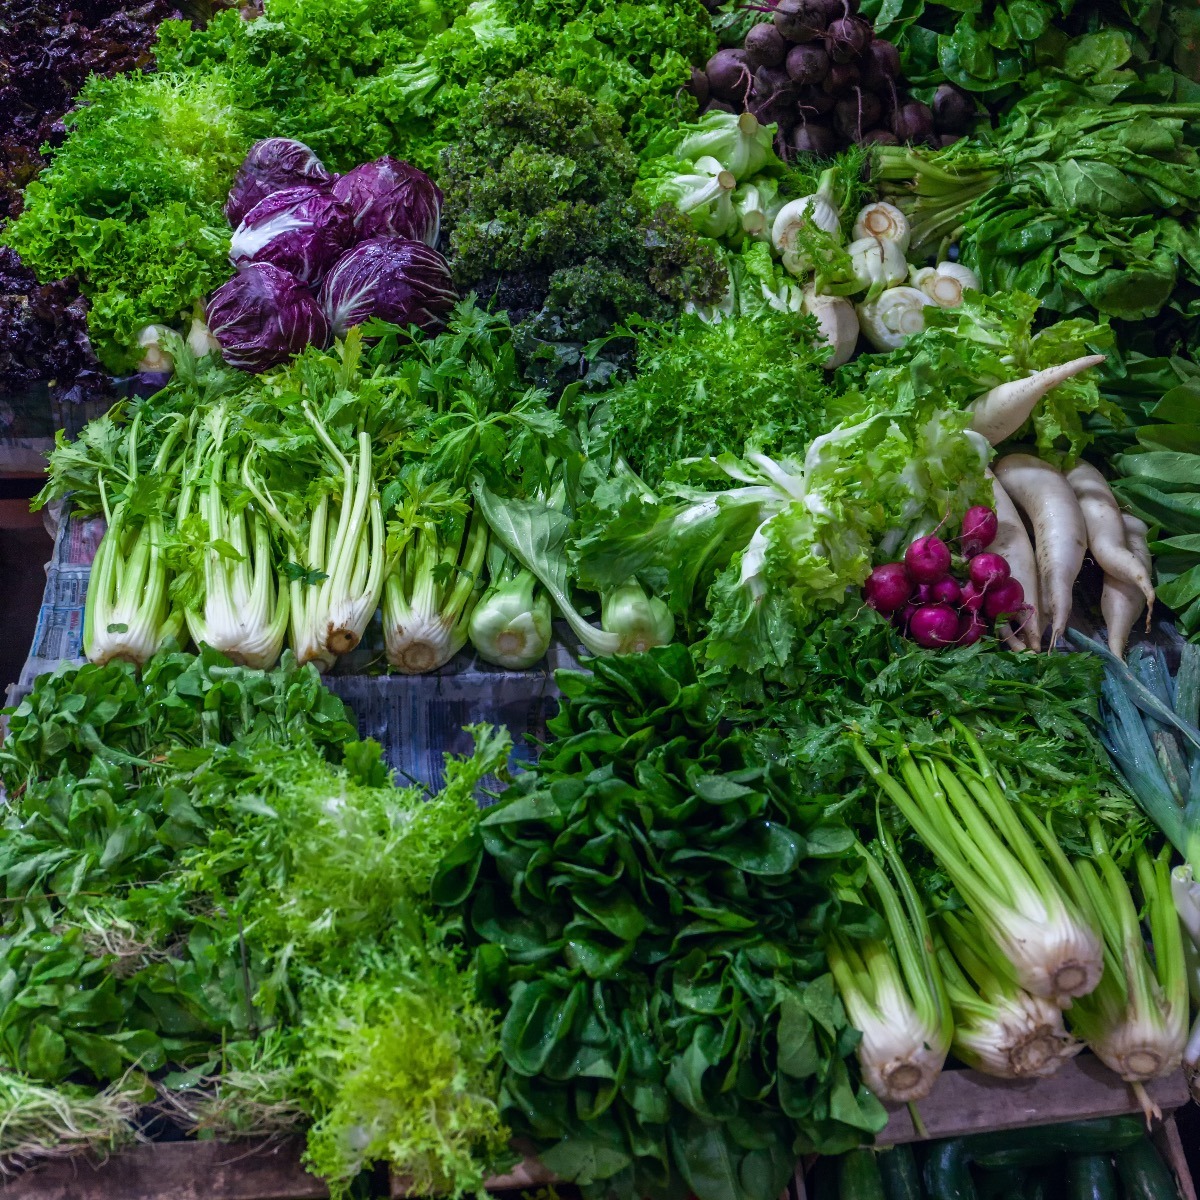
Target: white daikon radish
pixel 1121 602
pixel 1013 543
pixel 1059 534
pixel 998 414
pixel 1105 532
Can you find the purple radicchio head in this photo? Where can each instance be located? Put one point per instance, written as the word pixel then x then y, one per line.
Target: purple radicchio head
pixel 395 279
pixel 262 316
pixel 302 230
pixel 272 165
pixel 389 197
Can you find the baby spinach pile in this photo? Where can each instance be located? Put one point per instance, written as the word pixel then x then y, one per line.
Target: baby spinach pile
pixel 648 905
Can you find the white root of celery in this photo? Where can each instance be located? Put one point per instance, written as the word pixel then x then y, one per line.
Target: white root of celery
pixel 1013 543
pixel 1059 532
pixel 1105 530
pixel 1122 602
pixel 998 414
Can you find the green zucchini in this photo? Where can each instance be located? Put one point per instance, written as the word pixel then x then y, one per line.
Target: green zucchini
pixel 1008 1183
pixel 1019 1147
pixel 1144 1175
pixel 822 1180
pixel 1090 1177
pixel 858 1176
pixel 899 1172
pixel 948 1171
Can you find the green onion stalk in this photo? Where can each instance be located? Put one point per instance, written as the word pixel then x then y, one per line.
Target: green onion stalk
pixel 337 580
pixel 999 1028
pixel 971 827
pixel 934 190
pixel 510 626
pixel 128 613
pixel 893 991
pixel 242 602
pixel 1136 1021
pixel 435 579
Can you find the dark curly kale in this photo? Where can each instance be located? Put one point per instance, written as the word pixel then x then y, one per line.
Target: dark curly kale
pixel 542 222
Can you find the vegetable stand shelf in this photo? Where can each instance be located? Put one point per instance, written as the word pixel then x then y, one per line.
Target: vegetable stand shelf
pixel 962 1102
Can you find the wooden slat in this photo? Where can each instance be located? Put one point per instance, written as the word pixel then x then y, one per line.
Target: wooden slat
pixel 1166 1138
pixel 967 1102
pixel 177 1171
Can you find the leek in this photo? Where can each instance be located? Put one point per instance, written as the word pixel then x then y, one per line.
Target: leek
pixel 893 993
pixel 240 603
pixel 973 830
pixel 128 613
pixel 437 544
pixel 1136 1020
pixel 999 1028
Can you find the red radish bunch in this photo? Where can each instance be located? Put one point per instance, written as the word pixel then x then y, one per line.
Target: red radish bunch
pixel 933 606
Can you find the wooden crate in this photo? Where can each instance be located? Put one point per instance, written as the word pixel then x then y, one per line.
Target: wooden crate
pixel 962 1102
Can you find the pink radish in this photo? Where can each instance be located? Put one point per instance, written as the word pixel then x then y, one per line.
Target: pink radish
pixel 972 598
pixel 970 628
pixel 998 414
pixel 1059 533
pixel 934 626
pixel 1013 545
pixel 988 570
pixel 1003 599
pixel 1122 603
pixel 888 588
pixel 945 591
pixel 1105 532
pixel 928 559
pixel 979 529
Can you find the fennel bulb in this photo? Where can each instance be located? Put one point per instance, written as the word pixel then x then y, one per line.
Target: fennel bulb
pixel 893 993
pixel 511 626
pixel 945 283
pixel 893 316
pixel 884 221
pixel 1136 1021
pixel 639 622
pixel 999 1028
pixel 436 579
pixel 971 827
pixel 800 225
pixel 878 264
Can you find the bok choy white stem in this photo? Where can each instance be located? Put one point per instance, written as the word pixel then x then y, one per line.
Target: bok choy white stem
pixel 971 827
pixel 240 604
pixel 893 990
pixel 128 613
pixel 1136 1021
pixel 999 1028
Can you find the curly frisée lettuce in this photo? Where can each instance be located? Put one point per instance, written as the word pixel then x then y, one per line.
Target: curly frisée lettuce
pixel 776 539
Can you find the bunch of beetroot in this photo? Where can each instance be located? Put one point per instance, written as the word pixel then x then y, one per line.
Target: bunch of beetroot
pixel 932 606
pixel 816 70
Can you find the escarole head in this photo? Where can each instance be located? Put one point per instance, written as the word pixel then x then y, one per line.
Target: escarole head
pixel 511 626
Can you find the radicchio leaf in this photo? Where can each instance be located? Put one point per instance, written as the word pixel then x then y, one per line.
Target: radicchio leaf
pixel 390 198
pixel 271 166
pixel 262 316
pixel 393 278
pixel 302 230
